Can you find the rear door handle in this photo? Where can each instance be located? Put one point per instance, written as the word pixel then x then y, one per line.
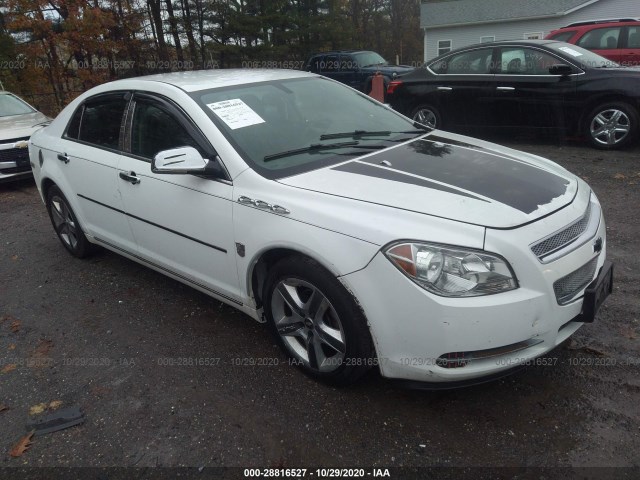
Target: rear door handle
pixel 130 177
pixel 63 157
pixel 444 89
pixel 505 89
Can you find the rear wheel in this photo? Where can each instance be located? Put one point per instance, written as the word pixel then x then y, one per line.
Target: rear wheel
pixel 317 322
pixel 611 126
pixel 66 224
pixel 427 115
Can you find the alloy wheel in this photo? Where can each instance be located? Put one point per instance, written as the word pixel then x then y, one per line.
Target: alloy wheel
pixel 64 222
pixel 426 117
pixel 308 325
pixel 610 127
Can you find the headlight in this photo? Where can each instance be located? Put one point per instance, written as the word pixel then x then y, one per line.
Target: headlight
pixel 452 271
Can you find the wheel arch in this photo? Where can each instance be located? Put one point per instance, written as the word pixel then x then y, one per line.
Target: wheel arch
pixel 261 263
pixel 45 185
pixel 611 97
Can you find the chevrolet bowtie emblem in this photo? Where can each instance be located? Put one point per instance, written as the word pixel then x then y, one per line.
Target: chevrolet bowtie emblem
pixel 21 144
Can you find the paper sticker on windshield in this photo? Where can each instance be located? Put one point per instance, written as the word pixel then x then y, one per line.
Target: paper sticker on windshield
pixel 570 51
pixel 235 113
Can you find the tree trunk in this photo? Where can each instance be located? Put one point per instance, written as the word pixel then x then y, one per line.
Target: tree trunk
pixel 173 26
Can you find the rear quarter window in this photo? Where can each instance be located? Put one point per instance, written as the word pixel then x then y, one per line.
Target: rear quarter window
pixel 563 36
pixel 101 120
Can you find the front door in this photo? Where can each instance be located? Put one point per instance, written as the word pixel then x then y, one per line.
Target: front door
pixel 182 222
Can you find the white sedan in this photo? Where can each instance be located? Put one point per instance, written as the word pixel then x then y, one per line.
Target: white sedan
pixel 360 237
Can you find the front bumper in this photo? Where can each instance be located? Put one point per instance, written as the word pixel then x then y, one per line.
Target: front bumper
pixel 423 337
pixel 14 160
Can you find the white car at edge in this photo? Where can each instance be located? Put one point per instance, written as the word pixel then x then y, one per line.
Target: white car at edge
pixel 361 238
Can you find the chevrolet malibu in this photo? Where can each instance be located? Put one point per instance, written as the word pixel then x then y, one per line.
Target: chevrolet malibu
pixel 360 237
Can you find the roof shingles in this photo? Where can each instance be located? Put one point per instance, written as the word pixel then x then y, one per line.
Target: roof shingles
pixel 436 14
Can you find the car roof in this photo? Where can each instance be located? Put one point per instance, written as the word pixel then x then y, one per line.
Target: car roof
pixel 194 81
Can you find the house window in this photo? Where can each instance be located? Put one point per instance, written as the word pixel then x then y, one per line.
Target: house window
pixel 444 46
pixel 533 36
pixel 488 38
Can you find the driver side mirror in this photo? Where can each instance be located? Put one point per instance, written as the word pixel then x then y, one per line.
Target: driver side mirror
pixel 560 69
pixel 185 160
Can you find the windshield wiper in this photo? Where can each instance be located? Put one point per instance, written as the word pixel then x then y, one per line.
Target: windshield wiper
pixel 314 147
pixel 363 133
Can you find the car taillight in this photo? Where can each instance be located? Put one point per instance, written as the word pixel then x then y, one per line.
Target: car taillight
pixel 393 85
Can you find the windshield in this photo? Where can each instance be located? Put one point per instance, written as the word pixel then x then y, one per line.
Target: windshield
pixel 585 58
pixel 286 127
pixel 366 59
pixel 10 105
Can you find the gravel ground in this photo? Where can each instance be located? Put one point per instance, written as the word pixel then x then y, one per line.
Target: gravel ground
pixel 101 333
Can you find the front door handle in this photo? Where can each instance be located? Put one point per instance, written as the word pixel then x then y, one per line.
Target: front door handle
pixel 63 157
pixel 130 177
pixel 444 89
pixel 505 89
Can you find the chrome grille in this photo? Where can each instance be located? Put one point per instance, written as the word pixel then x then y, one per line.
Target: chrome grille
pixel 563 237
pixel 12 159
pixel 568 286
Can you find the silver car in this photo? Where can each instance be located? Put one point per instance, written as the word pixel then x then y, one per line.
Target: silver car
pixel 18 120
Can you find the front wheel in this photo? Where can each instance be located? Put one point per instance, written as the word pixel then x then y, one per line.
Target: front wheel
pixel 611 126
pixel 317 322
pixel 66 224
pixel 427 115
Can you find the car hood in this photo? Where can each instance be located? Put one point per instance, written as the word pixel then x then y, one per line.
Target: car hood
pixel 18 126
pixel 450 176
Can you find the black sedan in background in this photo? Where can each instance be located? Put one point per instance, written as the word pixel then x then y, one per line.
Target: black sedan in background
pixel 539 84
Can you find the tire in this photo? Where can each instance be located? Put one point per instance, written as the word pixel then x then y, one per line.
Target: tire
pixel 427 115
pixel 66 224
pixel 325 333
pixel 612 125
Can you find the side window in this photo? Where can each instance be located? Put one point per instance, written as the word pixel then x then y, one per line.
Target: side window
pixel 526 61
pixel 563 36
pixel 601 39
pixel 314 64
pixel 101 119
pixel 73 129
pixel 347 63
pixel 330 64
pixel 633 40
pixel 154 130
pixel 475 62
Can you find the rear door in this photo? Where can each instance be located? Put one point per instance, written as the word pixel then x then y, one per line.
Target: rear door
pixel 630 54
pixel 88 155
pixel 462 88
pixel 182 222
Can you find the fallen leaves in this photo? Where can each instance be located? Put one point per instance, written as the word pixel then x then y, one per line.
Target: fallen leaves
pixel 3 407
pixel 41 407
pixel 628 332
pixel 43 348
pixel 15 323
pixel 40 356
pixel 22 446
pixel 12 346
pixel 620 176
pixel 37 409
pixel 8 368
pixel 14 257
